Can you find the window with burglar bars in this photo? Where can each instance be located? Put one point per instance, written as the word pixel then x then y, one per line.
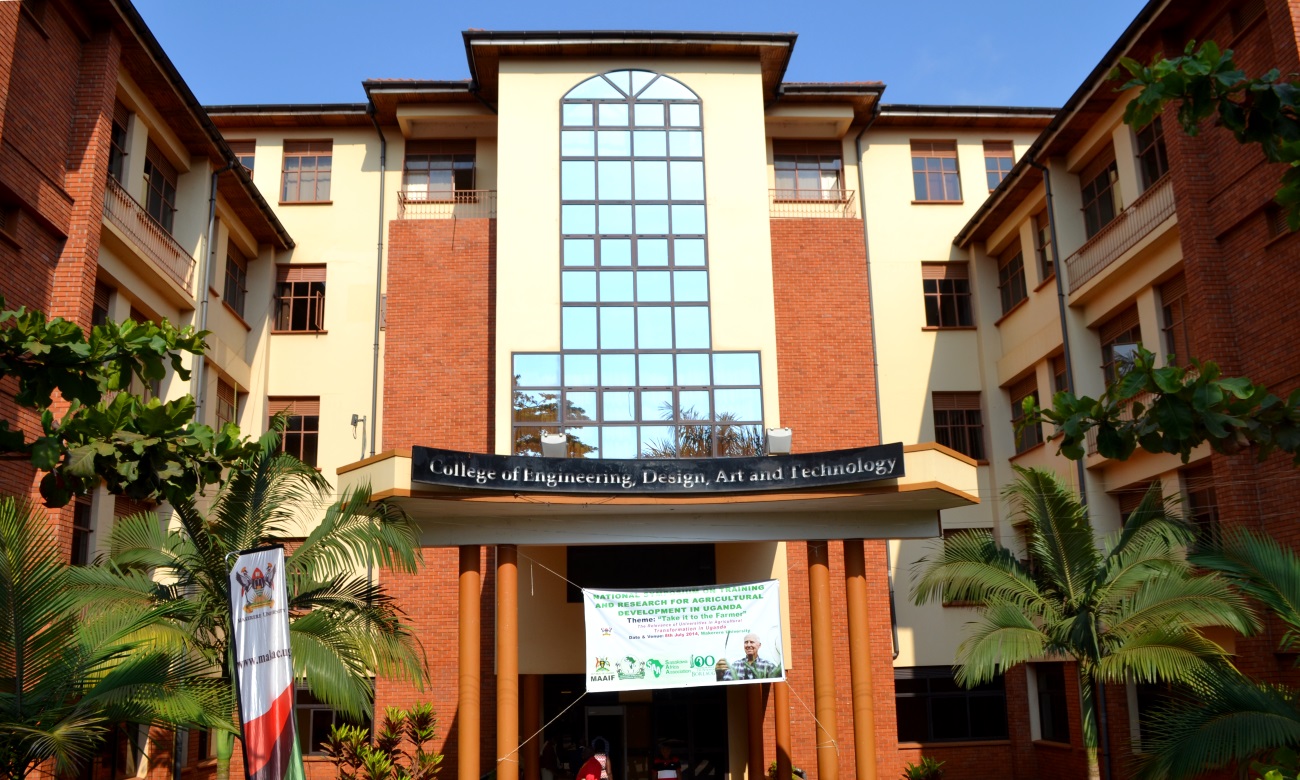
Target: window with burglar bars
pixel 160 188
pixel 808 170
pixel 932 707
pixel 439 170
pixel 1153 160
pixel 959 423
pixel 1121 336
pixel 117 142
pixel 1043 247
pixel 935 177
pixel 236 287
pixel 1175 323
pixel 1098 189
pixel 999 157
pixel 226 403
pixel 307 169
pixel 947 295
pixel 636 376
pixel 300 298
pixel 302 432
pixel 1029 436
pixel 1012 288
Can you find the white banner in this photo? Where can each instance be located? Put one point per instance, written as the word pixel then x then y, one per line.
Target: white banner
pixel 259 612
pixel 683 637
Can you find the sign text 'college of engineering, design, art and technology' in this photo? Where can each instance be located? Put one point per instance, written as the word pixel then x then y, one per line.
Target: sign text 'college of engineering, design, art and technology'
pixel 449 468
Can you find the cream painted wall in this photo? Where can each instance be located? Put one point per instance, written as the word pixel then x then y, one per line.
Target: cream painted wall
pixel 528 209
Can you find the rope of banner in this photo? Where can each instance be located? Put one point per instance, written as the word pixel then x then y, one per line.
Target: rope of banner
pixel 507 756
pixel 833 742
pixel 548 568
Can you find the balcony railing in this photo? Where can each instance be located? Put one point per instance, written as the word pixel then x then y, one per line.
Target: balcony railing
pixel 155 242
pixel 785 204
pixel 1123 233
pixel 458 204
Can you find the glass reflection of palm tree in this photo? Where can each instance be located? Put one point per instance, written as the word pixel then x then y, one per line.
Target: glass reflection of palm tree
pixel 697 441
pixel 533 410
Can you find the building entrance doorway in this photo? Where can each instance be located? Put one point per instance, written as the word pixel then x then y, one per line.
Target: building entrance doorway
pixel 692 722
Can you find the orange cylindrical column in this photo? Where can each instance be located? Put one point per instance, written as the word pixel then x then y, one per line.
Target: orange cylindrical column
pixel 864 713
pixel 530 721
pixel 754 710
pixel 781 705
pixel 819 600
pixel 507 662
pixel 467 707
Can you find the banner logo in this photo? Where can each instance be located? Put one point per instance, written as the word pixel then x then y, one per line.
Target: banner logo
pixel 256 590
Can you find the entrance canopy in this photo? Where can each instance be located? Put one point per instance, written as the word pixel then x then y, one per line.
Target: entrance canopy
pixel 933 478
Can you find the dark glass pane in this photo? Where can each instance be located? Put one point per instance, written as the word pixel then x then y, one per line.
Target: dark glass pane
pixel 911 685
pixel 944 684
pixel 309 444
pixel 988 717
pixel 949 717
pixel 932 311
pixel 913 724
pixel 964 315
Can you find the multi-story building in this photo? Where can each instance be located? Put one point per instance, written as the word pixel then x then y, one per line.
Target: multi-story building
pixel 652 243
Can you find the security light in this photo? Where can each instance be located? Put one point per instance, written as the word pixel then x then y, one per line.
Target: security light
pixel 778 441
pixel 555 445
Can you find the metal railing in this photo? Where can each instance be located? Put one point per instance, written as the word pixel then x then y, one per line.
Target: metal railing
pixel 152 239
pixel 1122 233
pixel 458 204
pixel 784 204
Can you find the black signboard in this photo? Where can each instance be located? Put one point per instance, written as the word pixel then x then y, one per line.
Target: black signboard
pixel 449 468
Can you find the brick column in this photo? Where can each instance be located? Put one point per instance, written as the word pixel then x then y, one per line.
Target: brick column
pixel 467 709
pixel 864 714
pixel 507 662
pixel 819 607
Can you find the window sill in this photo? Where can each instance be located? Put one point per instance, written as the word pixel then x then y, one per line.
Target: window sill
pixel 938 202
pixel 1279 238
pixel 961 743
pixel 306 203
pixel 1037 446
pixel 299 332
pixel 237 316
pixel 1045 282
pixel 1015 307
pixel 1053 744
pixel 950 327
pixel 10 239
pixel 213 292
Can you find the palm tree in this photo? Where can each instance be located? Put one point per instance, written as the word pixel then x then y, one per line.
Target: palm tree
pixel 66 676
pixel 1235 718
pixel 344 627
pixel 1133 610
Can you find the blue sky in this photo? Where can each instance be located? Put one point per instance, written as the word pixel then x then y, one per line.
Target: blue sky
pixel 995 52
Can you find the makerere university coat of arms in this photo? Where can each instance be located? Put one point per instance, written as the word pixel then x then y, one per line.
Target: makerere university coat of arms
pixel 256 590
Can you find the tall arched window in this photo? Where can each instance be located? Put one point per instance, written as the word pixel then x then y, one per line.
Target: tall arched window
pixel 636 376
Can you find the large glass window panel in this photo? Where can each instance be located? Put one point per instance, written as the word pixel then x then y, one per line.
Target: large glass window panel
pixel 577 143
pixel 695 404
pixel 594 88
pixel 652 251
pixel 583 442
pixel 685 143
pixel 654 327
pixel 650 143
pixel 621 79
pixel 577 114
pixel 578 180
pixel 651 220
pixel 578 287
pixel 614 143
pixel 616 251
pixel 537 370
pixel 579 251
pixel 651 114
pixel 580 371
pixel 688 251
pixel 613 114
pixel 692 327
pixel 616 286
pixel 619 442
pixel 657 405
pixel 578 220
pixel 618 405
pixel 616 330
pixel 653 286
pixel 658 441
pixel 688 219
pixel 536 406
pixel 690 286
pixel 684 114
pixel 692 369
pixel 578 326
pixel 740 405
pixel 735 368
pixel 616 180
pixel 688 180
pixel 651 180
pixel 615 219
pixel 579 406
pixel 656 369
pixel 617 370
pixel 740 441
pixel 665 88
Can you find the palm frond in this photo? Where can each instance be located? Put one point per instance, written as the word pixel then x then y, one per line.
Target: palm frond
pixel 1156 519
pixel 1174 653
pixel 1265 569
pixel 1002 637
pixel 1200 601
pixel 1061 537
pixel 357 532
pixel 139 542
pixel 970 566
pixel 328 657
pixel 1233 720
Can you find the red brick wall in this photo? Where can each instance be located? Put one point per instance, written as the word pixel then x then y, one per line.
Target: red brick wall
pixel 438 364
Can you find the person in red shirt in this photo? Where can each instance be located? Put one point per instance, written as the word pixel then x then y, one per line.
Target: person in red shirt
pixel 596 767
